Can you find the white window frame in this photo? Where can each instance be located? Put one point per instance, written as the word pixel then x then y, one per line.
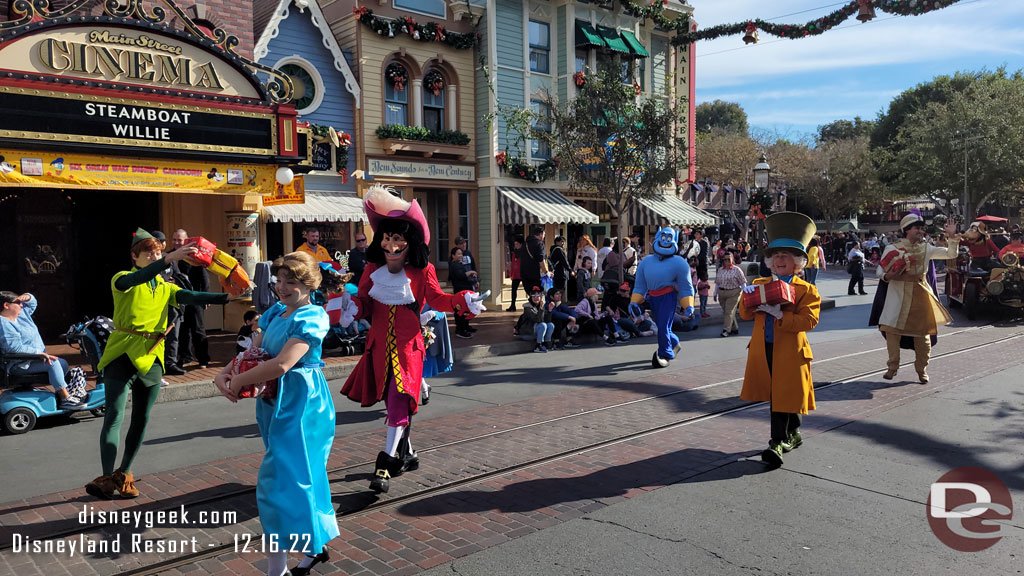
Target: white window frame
pixel 318 81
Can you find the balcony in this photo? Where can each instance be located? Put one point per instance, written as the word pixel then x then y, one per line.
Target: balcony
pixel 418 141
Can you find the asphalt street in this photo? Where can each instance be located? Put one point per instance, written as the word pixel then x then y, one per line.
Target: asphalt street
pixel 62 453
pixel 850 501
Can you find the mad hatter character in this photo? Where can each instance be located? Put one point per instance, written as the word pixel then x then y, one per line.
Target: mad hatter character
pixel 397 281
pixel 911 307
pixel 779 355
pixel 663 279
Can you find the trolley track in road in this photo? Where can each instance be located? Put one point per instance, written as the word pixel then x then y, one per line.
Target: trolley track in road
pixel 242 491
pixel 218 550
pixel 353 511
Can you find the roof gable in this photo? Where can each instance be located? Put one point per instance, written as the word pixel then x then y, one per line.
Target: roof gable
pixel 283 11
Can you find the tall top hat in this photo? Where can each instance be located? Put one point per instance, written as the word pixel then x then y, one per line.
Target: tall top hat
pixel 789 231
pixel 380 204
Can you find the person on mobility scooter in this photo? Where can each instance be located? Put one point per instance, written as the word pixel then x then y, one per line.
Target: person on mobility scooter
pixel 25 364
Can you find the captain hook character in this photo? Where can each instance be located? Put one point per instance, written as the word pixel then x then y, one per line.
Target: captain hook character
pixel 398 280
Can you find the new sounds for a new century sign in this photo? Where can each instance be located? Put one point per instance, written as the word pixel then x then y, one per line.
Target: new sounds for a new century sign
pixel 107 56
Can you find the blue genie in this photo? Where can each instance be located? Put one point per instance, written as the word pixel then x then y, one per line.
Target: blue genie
pixel 663 279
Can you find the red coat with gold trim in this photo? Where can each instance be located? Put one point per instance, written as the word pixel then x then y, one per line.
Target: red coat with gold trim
pixel 368 382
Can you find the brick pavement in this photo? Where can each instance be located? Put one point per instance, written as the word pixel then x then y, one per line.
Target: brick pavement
pixel 494 453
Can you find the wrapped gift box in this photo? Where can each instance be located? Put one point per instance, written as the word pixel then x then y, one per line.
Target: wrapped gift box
pixel 896 260
pixel 774 292
pixel 204 256
pixel 248 360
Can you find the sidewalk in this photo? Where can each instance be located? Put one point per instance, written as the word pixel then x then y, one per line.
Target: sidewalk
pixel 493 338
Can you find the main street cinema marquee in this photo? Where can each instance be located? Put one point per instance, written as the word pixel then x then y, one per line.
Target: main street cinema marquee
pixel 105 91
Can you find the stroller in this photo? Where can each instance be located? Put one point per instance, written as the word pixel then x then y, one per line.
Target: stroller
pixel 22 403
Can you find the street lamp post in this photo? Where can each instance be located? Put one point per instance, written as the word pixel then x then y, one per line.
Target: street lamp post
pixel 762 174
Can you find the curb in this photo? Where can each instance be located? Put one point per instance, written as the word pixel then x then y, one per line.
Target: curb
pixel 205 389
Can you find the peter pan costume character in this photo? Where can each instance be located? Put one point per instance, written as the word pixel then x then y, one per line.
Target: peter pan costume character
pixel 397 282
pixel 663 279
pixel 134 359
pixel 779 356
pixel 911 307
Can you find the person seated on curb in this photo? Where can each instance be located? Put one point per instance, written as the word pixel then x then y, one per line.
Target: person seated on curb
pixel 619 304
pixel 683 323
pixel 535 321
pixel 564 319
pixel 584 276
pixel 590 320
pixel 19 335
pixel 644 323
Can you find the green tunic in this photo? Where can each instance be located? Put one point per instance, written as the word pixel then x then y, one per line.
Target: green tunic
pixel 141 308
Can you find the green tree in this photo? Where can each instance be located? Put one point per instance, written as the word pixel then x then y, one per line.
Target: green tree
pixel 841 179
pixel 726 157
pixel 624 146
pixel 979 126
pixel 845 129
pixel 727 116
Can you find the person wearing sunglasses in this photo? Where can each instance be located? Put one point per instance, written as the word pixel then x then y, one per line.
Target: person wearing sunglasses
pixel 19 335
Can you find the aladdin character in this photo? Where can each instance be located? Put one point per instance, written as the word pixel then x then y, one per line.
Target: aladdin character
pixel 911 307
pixel 779 355
pixel 397 282
pixel 663 278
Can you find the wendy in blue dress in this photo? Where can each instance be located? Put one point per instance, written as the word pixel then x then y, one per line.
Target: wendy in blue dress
pixel 297 428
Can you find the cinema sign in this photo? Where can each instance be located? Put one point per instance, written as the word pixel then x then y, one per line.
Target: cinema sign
pixel 123 55
pixel 127 81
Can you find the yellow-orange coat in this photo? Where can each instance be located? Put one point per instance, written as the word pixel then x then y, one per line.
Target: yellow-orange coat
pixel 789 386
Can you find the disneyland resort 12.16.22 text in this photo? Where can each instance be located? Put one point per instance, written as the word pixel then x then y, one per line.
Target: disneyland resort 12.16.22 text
pixel 133 539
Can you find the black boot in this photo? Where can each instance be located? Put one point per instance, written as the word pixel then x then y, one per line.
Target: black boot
pixel 383 472
pixel 409 460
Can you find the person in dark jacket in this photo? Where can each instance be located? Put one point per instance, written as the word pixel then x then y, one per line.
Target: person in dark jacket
pixel 532 258
pixel 564 319
pixel 193 330
pixel 462 279
pixel 174 315
pixel 535 321
pixel 357 258
pixel 560 265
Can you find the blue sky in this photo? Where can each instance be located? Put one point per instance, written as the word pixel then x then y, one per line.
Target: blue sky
pixel 792 86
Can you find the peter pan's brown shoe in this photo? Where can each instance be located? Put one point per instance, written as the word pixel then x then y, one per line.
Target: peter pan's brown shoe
pixel 125 484
pixel 102 487
pixel 923 377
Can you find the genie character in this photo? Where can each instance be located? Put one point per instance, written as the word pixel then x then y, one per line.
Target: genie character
pixel 662 278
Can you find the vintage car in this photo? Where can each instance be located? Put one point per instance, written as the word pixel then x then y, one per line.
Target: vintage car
pixel 973 287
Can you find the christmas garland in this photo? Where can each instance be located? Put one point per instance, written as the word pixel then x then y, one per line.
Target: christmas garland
pixel 864 9
pixel 340 152
pixel 655 11
pixel 397 75
pixel 429 32
pixel 434 82
pixel 520 168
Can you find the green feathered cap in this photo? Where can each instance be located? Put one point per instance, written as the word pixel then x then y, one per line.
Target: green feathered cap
pixel 139 236
pixel 789 231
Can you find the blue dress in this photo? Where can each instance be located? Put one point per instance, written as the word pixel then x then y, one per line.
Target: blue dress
pixel 292 490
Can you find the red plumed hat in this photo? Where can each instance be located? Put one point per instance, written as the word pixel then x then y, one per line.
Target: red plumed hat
pixel 381 203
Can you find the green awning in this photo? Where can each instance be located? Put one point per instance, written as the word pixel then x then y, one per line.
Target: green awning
pixel 587 36
pixel 634 44
pixel 613 40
